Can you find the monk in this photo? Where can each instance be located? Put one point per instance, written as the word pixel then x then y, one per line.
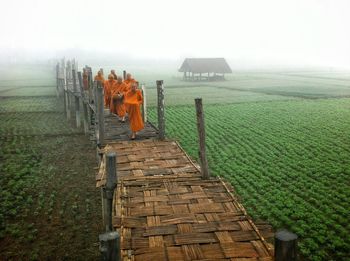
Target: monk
pixel 118 91
pixel 129 80
pixel 107 87
pixel 114 74
pixel 99 77
pixel 85 79
pixel 133 99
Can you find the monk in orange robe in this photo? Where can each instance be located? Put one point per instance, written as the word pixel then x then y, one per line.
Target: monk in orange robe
pixel 107 87
pixel 99 77
pixel 129 80
pixel 118 91
pixel 85 79
pixel 114 74
pixel 133 99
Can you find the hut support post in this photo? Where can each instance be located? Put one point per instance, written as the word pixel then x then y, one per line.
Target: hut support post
pixel 201 135
pixel 110 246
pixel 144 103
pixel 285 246
pixel 100 113
pixel 161 113
pixel 124 74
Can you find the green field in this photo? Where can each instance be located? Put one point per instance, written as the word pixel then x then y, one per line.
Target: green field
pixel 49 207
pixel 282 140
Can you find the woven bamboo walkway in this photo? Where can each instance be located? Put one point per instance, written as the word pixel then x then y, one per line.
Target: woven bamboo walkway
pixel 118 131
pixel 163 210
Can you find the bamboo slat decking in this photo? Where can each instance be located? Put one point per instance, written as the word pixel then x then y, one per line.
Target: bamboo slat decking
pixel 118 131
pixel 164 210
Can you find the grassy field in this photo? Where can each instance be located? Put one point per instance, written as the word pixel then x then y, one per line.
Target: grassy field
pixel 282 139
pixel 49 207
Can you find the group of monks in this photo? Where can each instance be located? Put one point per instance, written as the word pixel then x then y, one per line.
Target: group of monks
pixel 123 97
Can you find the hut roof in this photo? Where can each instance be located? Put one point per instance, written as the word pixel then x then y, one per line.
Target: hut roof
pixel 205 65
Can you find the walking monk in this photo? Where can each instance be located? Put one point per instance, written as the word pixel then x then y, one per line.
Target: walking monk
pixel 129 80
pixel 114 74
pixel 85 79
pixel 117 98
pixel 99 77
pixel 133 99
pixel 107 87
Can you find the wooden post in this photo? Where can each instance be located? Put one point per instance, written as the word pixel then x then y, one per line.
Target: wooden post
pixel 111 161
pixel 85 104
pixel 201 135
pixel 77 110
pixel 144 103
pixel 100 113
pixel 124 74
pixel 110 246
pixel 68 104
pixel 57 80
pixel 91 85
pixel 81 87
pixel 76 99
pixel 161 113
pixel 285 246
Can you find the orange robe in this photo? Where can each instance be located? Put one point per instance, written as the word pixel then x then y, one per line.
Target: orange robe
pixel 100 78
pixel 107 87
pixel 132 103
pixel 85 81
pixel 117 106
pixel 129 82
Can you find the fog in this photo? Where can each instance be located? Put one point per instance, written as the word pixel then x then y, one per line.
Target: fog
pixel 249 33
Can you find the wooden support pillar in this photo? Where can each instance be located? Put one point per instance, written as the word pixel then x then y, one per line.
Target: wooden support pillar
pixel 65 101
pixel 68 98
pixel 76 99
pixel 91 86
pixel 100 113
pixel 144 103
pixel 110 246
pixel 58 80
pixel 77 110
pixel 68 110
pixel 285 246
pixel 84 104
pixel 161 112
pixel 124 74
pixel 111 161
pixel 201 136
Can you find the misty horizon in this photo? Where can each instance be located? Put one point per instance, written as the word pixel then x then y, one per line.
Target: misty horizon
pixel 249 34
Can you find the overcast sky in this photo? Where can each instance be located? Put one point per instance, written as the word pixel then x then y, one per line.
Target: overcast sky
pixel 295 32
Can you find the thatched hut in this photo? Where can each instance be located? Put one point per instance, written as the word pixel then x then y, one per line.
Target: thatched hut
pixel 204 69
